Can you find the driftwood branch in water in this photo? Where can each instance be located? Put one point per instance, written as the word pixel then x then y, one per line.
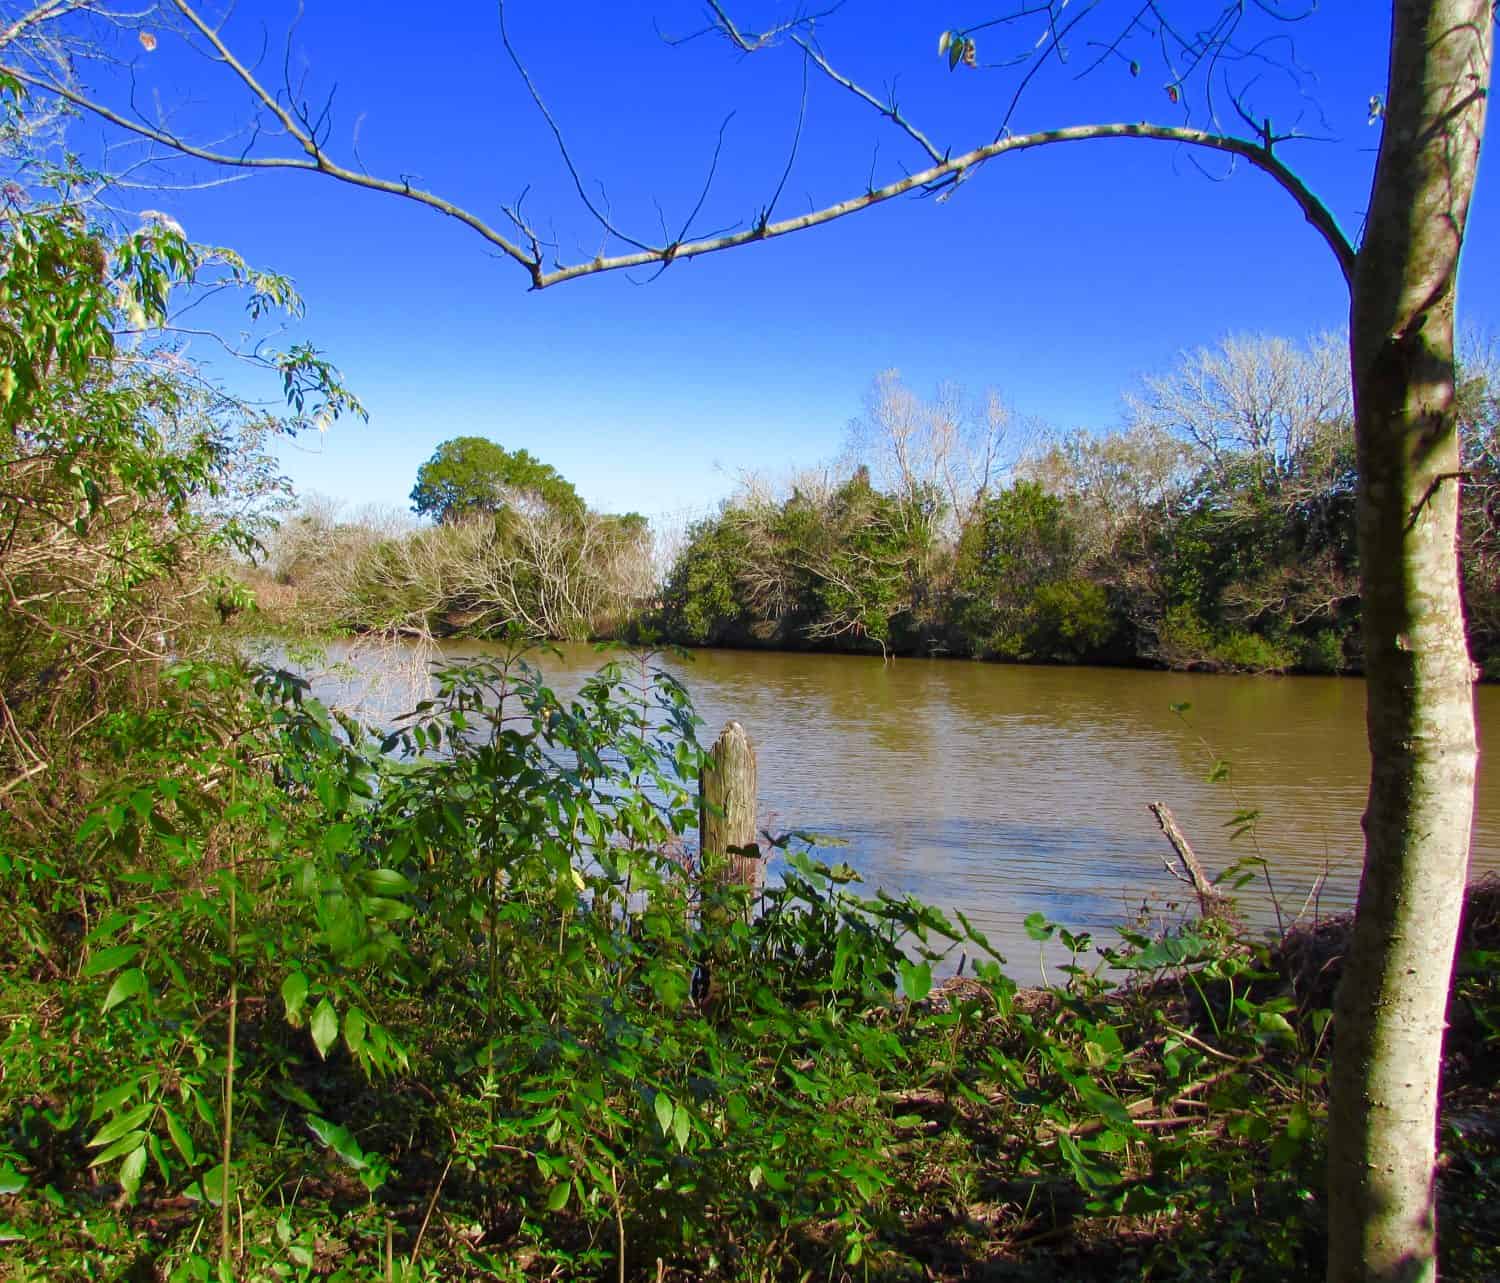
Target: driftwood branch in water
pixel 1210 901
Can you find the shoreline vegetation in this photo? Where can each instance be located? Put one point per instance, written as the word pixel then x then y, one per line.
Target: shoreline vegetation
pixel 300 1000
pixel 1213 532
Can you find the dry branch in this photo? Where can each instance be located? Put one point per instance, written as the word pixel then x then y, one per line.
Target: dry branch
pixel 1210 901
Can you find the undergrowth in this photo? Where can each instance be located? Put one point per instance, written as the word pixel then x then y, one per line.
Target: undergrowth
pixel 301 1000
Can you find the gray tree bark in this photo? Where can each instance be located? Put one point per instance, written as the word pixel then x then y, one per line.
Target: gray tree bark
pixel 1420 715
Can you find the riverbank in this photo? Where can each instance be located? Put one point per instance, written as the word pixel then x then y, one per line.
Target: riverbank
pixel 283 997
pixel 284 610
pixel 1007 790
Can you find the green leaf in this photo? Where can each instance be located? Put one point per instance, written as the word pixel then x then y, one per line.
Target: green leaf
pixel 106 1102
pixel 1274 1024
pixel 1299 1122
pixel 11 1181
pixel 111 959
pixel 339 1139
pixel 916 980
pixel 212 1188
pixel 125 1145
pixel 388 910
pixel 944 41
pixel 117 1127
pixel 180 1137
pixel 354 1029
pixel 338 836
pixel 204 1111
pixel 131 1171
pixel 294 994
pixel 1038 928
pixel 664 1111
pixel 325 1027
pixel 680 1123
pixel 385 882
pixel 128 984
pixel 557 1198
pixel 295 1094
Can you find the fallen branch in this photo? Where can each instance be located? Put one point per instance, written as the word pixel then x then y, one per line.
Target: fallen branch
pixel 1210 900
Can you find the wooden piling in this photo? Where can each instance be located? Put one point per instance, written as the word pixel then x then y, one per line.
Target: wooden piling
pixel 726 810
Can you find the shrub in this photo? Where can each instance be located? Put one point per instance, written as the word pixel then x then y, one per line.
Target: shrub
pixel 1323 652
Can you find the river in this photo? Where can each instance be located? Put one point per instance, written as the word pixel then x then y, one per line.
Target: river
pixel 1005 790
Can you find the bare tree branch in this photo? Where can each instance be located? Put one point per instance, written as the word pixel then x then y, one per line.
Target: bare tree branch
pixel 303 131
pixel 887 109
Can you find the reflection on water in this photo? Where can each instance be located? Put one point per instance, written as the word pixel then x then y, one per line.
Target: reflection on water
pixel 1005 790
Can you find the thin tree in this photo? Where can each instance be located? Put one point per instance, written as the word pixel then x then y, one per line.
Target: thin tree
pixel 1401 276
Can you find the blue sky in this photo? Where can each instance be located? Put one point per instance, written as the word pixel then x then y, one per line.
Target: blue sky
pixel 1058 277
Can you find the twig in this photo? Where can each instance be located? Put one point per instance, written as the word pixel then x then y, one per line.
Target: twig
pixel 619 1223
pixel 887 109
pixel 431 1204
pixel 1193 1041
pixel 25 775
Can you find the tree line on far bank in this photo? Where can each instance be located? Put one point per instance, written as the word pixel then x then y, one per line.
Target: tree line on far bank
pixel 511 547
pixel 1215 529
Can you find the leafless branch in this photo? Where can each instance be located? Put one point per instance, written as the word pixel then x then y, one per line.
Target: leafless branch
pixel 887 108
pixel 600 216
pixel 1189 53
pixel 765 215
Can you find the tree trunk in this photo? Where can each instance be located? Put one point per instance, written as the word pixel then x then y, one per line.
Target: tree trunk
pixel 1420 718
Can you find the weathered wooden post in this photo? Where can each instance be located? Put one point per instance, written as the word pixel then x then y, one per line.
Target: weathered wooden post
pixel 726 810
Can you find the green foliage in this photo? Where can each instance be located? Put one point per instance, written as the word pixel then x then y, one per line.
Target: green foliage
pixel 1185 641
pixel 1323 652
pixel 1018 594
pixel 1254 653
pixel 702 598
pixel 470 963
pixel 129 476
pixel 447 906
pixel 841 566
pixel 1216 532
pixel 472 475
pixel 285 996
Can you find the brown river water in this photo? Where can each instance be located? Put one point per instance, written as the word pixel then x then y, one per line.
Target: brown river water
pixel 1006 790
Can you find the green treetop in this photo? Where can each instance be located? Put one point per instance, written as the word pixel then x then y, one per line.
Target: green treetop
pixel 475 475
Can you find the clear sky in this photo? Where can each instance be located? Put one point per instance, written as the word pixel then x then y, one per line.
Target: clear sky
pixel 1058 277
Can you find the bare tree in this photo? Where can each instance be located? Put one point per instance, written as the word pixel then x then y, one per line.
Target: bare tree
pixel 1119 483
pixel 1256 399
pixel 1479 528
pixel 551 574
pixel 945 446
